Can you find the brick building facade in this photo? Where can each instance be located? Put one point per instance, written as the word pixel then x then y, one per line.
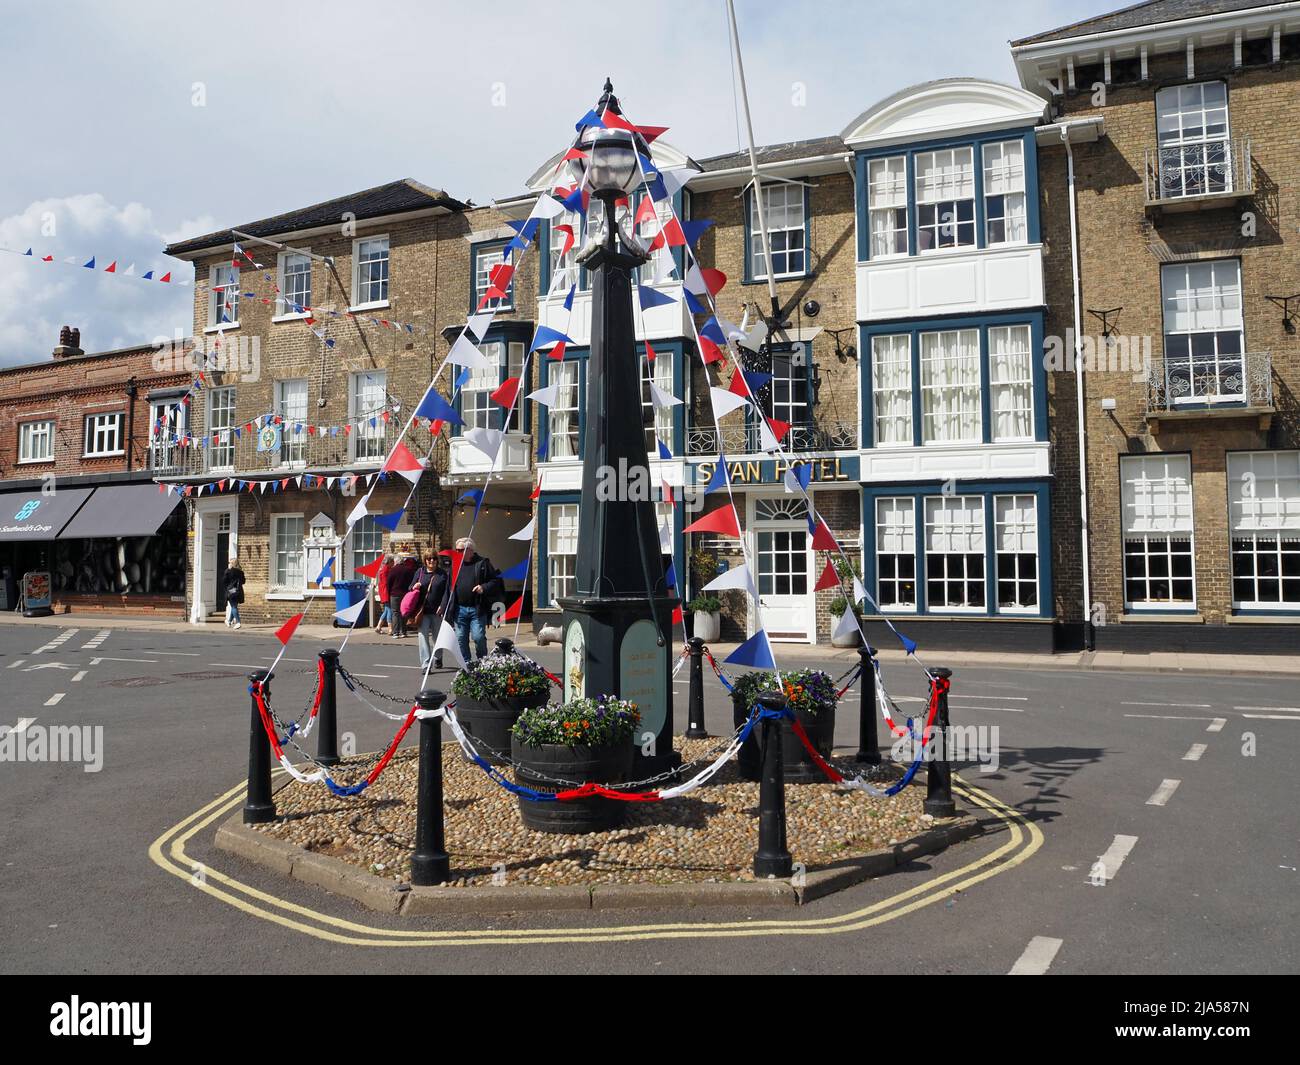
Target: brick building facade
pixel 1187 223
pixel 76 467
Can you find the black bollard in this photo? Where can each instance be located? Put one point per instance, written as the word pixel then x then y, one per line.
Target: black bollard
pixel 430 863
pixel 327 728
pixel 695 729
pixel 259 807
pixel 504 646
pixel 868 744
pixel 938 776
pixel 773 856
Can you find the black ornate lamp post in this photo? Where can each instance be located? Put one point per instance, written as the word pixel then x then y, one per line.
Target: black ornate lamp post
pixel 618 623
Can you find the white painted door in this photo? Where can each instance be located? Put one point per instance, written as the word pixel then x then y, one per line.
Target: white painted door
pixel 784 561
pixel 216 544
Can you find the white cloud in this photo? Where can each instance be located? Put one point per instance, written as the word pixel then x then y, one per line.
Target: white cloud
pixel 111 310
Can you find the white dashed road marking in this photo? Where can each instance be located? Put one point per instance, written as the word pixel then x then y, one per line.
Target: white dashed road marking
pixel 1271 717
pixel 96 640
pixel 1171 717
pixel 23 722
pixel 1176 706
pixel 1216 725
pixel 16 663
pixel 54 699
pixel 1163 793
pixel 1272 709
pixel 1194 752
pixel 78 675
pixel 96 661
pixel 1108 864
pixel 1040 954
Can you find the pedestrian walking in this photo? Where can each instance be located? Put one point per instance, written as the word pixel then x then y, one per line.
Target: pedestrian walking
pixel 399 583
pixel 384 624
pixel 431 581
pixel 478 585
pixel 232 582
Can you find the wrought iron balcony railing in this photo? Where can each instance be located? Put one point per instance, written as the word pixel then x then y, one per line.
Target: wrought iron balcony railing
pixel 741 439
pixel 1201 381
pixel 364 447
pixel 1209 168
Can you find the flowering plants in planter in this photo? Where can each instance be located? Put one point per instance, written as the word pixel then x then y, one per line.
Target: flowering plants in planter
pixel 604 721
pixel 501 677
pixel 808 691
pixel 582 741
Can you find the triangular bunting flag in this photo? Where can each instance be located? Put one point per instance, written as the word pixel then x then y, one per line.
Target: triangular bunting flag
pixel 285 632
pixel 721 521
pixel 756 652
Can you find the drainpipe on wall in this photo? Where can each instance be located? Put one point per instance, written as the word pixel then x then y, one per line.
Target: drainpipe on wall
pixel 130 419
pixel 1089 642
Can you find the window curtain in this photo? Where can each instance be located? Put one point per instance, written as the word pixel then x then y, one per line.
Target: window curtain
pixel 1009 378
pixel 893 389
pixel 563 442
pixel 951 386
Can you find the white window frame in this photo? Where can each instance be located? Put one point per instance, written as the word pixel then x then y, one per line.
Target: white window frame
pixel 30 432
pixel 277 586
pixel 1185 148
pixel 97 425
pixel 567 577
pixel 974 531
pixel 365 543
pixel 899 393
pixel 567 403
pixel 886 201
pixel 163 450
pixel 949 182
pixel 495 252
pixel 283 262
pixel 476 406
pixel 230 273
pixel 886 533
pixel 1264 523
pixel 955 390
pixel 1011 380
pixel 223 413
pixel 292 442
pixel 777 217
pixel 1009 535
pixel 367 443
pixel 1221 321
pixel 370 305
pixel 1004 177
pixel 564 269
pixel 1157 510
pixel 658 423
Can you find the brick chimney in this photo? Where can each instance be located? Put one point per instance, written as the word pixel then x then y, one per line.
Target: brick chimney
pixel 69 343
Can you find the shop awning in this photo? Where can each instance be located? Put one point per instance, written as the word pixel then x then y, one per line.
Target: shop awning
pixel 121 510
pixel 29 515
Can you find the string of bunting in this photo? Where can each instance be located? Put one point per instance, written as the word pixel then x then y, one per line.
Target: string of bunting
pixel 91 263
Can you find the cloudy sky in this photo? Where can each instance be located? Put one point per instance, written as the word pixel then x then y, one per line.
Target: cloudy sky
pixel 129 125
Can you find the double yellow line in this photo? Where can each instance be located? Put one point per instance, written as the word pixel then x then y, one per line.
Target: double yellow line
pixel 168 853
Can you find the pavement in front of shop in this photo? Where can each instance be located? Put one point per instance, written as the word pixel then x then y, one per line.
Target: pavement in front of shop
pixel 1153 662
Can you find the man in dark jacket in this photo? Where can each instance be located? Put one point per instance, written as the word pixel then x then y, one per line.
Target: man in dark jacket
pixel 399 583
pixel 477 586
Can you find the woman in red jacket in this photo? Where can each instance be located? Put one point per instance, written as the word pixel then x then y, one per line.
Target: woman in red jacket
pixel 386 615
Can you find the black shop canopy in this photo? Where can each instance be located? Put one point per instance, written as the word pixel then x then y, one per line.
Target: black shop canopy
pixel 29 514
pixel 121 510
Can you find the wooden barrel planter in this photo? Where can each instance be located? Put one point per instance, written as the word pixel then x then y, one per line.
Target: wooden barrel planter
pixel 798 765
pixel 487 722
pixel 537 767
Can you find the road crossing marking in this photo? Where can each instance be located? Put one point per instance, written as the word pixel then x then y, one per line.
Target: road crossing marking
pixel 1038 956
pixel 1272 709
pixel 1194 752
pixel 1108 864
pixel 54 699
pixel 1163 793
pixel 78 675
pixel 58 641
pixel 96 640
pixel 1216 725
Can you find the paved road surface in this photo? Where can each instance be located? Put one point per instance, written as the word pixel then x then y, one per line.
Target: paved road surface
pixel 1182 786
